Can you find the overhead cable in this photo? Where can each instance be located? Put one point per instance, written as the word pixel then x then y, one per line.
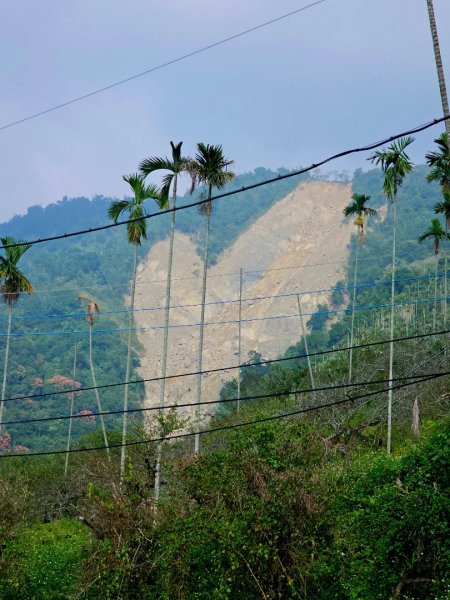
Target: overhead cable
pixel 159 67
pixel 277 394
pixel 214 275
pixel 228 368
pixel 342 288
pixel 223 427
pixel 231 192
pixel 349 309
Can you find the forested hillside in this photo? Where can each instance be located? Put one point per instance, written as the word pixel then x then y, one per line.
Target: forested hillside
pixel 49 324
pixel 303 502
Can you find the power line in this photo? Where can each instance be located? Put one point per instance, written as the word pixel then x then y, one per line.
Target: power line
pixel 227 322
pixel 161 66
pixel 224 401
pixel 230 300
pixel 223 427
pixel 228 368
pixel 213 275
pixel 232 192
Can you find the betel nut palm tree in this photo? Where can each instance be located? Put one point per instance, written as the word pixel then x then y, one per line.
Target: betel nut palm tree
pixel 395 164
pixel 136 232
pixel 443 208
pixel 437 233
pixel 211 169
pixel 358 208
pixel 439 66
pixel 175 166
pixel 13 283
pixel 439 163
pixel 91 309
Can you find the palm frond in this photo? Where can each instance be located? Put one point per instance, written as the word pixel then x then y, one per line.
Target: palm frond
pixel 91 308
pixel 117 208
pixel 155 163
pixel 436 232
pixel 395 164
pixel 134 207
pixel 13 281
pixel 440 163
pixel 136 230
pixel 209 167
pixel 164 195
pixel 358 206
pixel 443 208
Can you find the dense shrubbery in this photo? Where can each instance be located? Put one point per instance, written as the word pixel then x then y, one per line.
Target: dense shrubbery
pixel 306 507
pixel 275 512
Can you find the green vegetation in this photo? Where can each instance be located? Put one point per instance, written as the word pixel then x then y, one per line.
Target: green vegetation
pixel 98 265
pixel 211 169
pixel 301 503
pixel 279 512
pixel 44 561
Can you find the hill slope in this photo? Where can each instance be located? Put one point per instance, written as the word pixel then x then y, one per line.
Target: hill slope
pixel 303 228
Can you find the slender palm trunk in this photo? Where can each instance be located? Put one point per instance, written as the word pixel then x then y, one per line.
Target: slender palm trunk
pixel 72 396
pixel 439 67
pixel 127 373
pixel 305 342
pixel 445 276
pixel 435 292
pixel 391 344
pixel 162 389
pixel 352 326
pixel 239 344
pixel 97 396
pixel 5 367
pixel 202 327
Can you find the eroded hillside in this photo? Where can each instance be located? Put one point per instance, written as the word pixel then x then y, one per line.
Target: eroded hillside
pixel 283 252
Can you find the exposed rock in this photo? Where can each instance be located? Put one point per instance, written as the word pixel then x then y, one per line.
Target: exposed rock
pixel 300 244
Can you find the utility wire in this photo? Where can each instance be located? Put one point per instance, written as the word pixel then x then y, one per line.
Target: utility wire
pixel 232 192
pixel 227 322
pixel 161 66
pixel 225 400
pixel 212 275
pixel 342 288
pixel 228 368
pixel 223 427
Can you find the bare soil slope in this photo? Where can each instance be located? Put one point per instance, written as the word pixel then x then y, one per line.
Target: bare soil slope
pixel 283 252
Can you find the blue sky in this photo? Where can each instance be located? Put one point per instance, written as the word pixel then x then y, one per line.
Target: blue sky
pixel 341 74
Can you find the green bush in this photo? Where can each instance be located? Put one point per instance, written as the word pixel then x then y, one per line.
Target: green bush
pixel 391 532
pixel 44 561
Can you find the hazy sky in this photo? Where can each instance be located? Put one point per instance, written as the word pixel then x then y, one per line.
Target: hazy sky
pixel 341 74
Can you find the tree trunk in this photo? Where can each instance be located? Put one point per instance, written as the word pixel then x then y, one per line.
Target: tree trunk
pixel 162 389
pixel 445 276
pixel 305 342
pixel 5 368
pixel 202 327
pixel 97 396
pixel 391 344
pixel 435 292
pixel 72 396
pixel 352 326
pixel 439 67
pixel 127 373
pixel 239 343
pixel 445 293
